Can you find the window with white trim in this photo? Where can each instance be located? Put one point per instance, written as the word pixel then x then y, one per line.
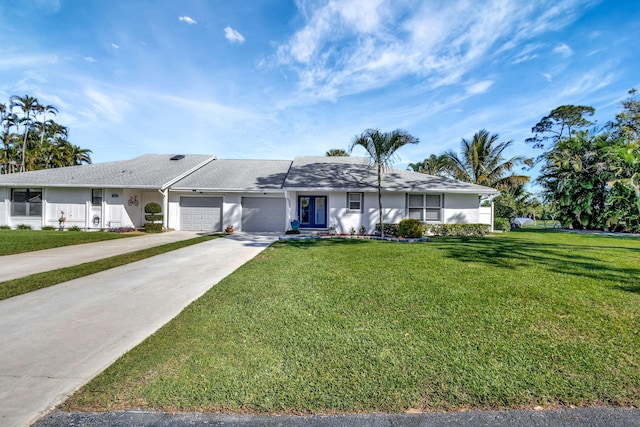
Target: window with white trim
pixel 354 202
pixel 26 202
pixel 96 197
pixel 425 207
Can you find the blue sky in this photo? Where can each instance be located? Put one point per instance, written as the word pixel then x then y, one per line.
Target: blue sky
pixel 278 79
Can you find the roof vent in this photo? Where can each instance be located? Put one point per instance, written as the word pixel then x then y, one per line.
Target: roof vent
pixel 178 157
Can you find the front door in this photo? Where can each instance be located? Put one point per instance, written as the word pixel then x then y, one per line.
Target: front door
pixel 312 211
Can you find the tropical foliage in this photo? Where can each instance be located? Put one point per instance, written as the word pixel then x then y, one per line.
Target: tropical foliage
pixel 32 140
pixel 336 152
pixel 381 149
pixel 592 176
pixel 482 161
pixel 433 165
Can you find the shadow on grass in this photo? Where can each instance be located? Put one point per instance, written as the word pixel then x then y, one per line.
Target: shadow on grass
pixel 576 257
pixel 314 243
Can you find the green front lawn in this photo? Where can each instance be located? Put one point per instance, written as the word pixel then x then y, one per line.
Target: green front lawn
pixel 19 241
pixel 516 320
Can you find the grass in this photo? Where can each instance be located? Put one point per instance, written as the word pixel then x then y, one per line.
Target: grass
pixel 34 282
pixel 19 241
pixel 516 320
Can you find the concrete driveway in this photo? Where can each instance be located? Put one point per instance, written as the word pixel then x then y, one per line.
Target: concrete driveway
pixel 55 340
pixel 20 265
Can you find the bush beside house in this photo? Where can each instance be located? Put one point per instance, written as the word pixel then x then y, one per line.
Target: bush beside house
pixel 153 218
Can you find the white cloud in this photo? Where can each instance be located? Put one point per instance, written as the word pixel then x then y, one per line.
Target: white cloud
pixel 352 47
pixel 547 76
pixel 187 20
pixel 563 49
pixel 479 87
pixel 26 61
pixel 115 46
pixel 90 59
pixel 233 36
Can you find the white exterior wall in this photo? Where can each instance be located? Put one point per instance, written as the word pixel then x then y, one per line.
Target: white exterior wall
pixel 343 220
pixel 461 209
pixel 4 206
pixel 115 213
pixel 74 202
pixel 232 211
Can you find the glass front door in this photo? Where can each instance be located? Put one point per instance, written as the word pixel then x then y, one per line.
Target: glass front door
pixel 312 211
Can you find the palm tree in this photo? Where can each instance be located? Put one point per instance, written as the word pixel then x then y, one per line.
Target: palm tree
pixel 28 105
pixel 336 152
pixel 381 148
pixel 482 162
pixel 433 165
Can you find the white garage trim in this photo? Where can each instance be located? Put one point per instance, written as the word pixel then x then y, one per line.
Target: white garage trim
pixel 264 214
pixel 201 213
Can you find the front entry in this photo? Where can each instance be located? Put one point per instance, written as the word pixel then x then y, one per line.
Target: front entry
pixel 312 211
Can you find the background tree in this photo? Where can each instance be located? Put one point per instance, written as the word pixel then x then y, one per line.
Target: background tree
pixel 433 165
pixel 32 140
pixel 561 123
pixel 336 152
pixel 481 161
pixel 576 175
pixel 381 148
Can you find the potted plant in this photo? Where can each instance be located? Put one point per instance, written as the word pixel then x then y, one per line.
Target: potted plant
pixel 295 225
pixel 229 229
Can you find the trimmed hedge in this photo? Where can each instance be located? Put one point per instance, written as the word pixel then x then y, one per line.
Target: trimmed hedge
pixel 153 217
pixel 410 228
pixel 389 229
pixel 502 224
pixel 465 230
pixel 153 227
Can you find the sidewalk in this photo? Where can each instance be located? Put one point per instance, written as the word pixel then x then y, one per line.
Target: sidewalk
pixel 56 339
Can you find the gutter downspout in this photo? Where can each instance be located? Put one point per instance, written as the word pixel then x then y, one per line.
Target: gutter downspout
pixel 165 208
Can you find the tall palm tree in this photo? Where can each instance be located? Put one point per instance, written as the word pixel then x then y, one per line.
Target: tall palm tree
pixel 29 105
pixel 433 165
pixel 481 161
pixel 336 152
pixel 381 148
pixel 44 109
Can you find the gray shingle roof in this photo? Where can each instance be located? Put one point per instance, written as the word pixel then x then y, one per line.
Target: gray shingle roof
pixel 236 175
pixel 147 171
pixel 355 173
pixel 202 172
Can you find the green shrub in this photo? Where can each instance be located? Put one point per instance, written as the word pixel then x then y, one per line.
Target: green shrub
pixel 150 227
pixel 5 227
pixel 292 232
pixel 74 228
pixel 502 224
pixel 23 227
pixel 152 208
pixel 410 228
pixel 389 229
pixel 465 230
pixel 154 220
pixel 49 228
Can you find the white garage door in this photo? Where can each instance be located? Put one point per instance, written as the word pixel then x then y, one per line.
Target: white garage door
pixel 263 214
pixel 201 213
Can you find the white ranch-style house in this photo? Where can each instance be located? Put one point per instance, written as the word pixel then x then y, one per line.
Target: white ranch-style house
pixel 203 193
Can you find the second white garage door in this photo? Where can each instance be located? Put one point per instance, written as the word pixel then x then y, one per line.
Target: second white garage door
pixel 201 213
pixel 263 214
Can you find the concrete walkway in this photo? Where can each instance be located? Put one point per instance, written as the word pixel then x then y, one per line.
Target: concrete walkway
pixel 55 340
pixel 25 264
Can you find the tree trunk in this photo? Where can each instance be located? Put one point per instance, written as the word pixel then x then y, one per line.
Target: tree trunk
pixel 380 199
